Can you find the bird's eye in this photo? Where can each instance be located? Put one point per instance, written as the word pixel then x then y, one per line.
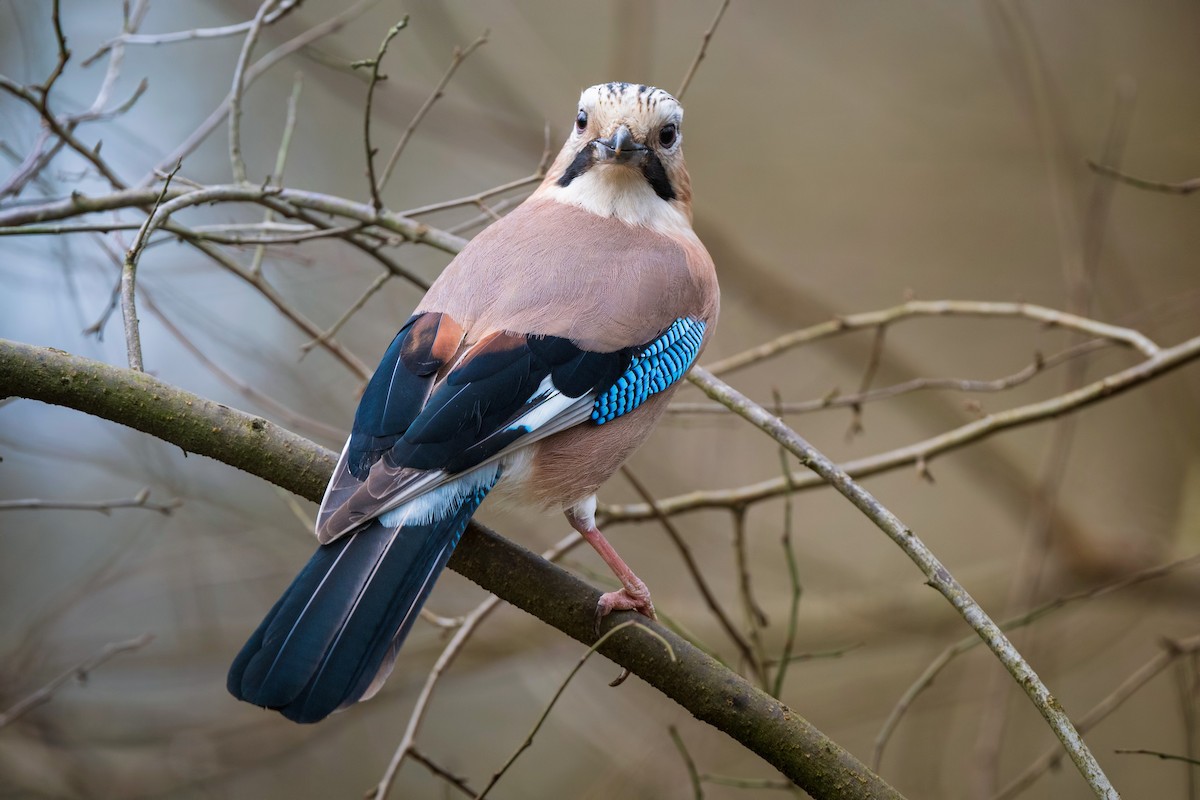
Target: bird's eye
pixel 668 135
pixel 581 121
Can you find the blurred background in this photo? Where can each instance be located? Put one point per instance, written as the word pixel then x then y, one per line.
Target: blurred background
pixel 845 157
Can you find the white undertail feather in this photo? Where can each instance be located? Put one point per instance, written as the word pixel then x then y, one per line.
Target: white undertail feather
pixel 442 500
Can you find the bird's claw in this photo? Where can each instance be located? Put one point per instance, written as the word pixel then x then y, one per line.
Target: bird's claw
pixel 635 598
pixel 625 599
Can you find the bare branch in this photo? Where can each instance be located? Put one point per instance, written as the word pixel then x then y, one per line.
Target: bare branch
pixel 755 617
pixel 969 642
pixel 456 60
pixel 140 500
pixel 478 199
pixel 78 672
pixel 332 25
pixel 286 7
pixel 77 204
pixel 873 361
pixel 64 54
pixel 375 286
pixel 528 742
pixel 934 308
pixel 133 341
pixel 693 775
pixel 1164 658
pixel 968 385
pixel 450 652
pixel 236 163
pixel 789 552
pixel 288 415
pixel 376 77
pixel 703 686
pixel 1164 756
pixel 746 783
pixel 281 155
pixel 1164 362
pixel 710 599
pixel 441 772
pixel 937 575
pixel 703 51
pixel 1181 187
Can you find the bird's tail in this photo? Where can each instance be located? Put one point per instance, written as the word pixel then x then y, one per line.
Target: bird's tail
pixel 332 638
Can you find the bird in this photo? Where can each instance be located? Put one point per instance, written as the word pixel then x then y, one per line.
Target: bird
pixel 535 364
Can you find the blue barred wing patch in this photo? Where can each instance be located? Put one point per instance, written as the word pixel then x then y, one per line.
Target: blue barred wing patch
pixel 658 365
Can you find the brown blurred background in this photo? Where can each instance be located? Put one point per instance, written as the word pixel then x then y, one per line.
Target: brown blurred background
pixel 845 156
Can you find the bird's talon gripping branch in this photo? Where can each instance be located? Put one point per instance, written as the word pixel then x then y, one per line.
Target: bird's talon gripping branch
pixel 625 600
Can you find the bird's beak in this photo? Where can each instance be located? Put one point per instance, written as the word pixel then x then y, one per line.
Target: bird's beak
pixel 620 148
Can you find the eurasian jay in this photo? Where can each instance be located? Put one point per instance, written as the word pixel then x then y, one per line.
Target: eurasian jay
pixel 536 363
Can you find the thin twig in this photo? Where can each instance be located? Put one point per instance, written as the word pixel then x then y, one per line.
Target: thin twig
pixel 528 742
pixel 789 552
pixel 703 51
pixel 288 201
pixel 79 672
pixel 329 26
pixel 1171 650
pixel 284 413
pixel 1167 360
pixel 967 385
pixel 1164 756
pixel 937 575
pixel 281 155
pixel 441 772
pixel 469 624
pixel 943 659
pixel 815 655
pixel 1080 255
pixel 133 341
pixel 933 308
pixel 710 599
pixel 1187 683
pixel 693 775
pixel 873 362
pixel 236 163
pixel 376 77
pixel 134 198
pixel 375 286
pixel 477 199
pixel 140 500
pixel 748 783
pixel 1181 187
pixel 195 33
pixel 755 617
pixel 64 54
pixel 456 59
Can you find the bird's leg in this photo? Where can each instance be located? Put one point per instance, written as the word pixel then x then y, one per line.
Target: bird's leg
pixel 633 594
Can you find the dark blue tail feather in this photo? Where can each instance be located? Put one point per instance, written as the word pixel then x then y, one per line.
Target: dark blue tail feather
pixel 323 643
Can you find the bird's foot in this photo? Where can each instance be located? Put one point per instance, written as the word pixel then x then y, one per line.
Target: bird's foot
pixel 633 597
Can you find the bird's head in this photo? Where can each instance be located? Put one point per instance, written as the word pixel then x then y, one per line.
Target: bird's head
pixel 624 157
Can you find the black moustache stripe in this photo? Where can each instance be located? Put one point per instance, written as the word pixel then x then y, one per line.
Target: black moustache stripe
pixel 582 163
pixel 656 176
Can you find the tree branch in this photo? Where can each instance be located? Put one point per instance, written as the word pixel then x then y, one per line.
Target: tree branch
pixel 699 683
pixel 935 573
pixel 1165 360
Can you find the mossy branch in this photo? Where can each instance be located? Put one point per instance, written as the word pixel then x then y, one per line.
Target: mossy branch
pixel 706 688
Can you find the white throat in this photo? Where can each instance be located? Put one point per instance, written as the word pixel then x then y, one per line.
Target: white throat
pixel 611 191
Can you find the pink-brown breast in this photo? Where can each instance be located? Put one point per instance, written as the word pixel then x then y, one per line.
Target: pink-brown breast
pixel 553 269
